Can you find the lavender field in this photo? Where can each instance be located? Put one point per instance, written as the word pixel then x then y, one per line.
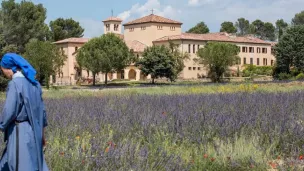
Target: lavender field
pixel 220 131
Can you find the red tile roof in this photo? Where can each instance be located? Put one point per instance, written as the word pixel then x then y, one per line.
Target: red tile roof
pixel 152 19
pixel 221 37
pixel 73 40
pixel 112 19
pixel 137 46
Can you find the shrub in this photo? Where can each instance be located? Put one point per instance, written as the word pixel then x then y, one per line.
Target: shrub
pixel 300 76
pixel 257 70
pixel 284 76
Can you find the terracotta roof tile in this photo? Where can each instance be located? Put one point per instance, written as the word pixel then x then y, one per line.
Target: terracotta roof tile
pixel 153 19
pixel 113 19
pixel 137 46
pixel 221 37
pixel 73 40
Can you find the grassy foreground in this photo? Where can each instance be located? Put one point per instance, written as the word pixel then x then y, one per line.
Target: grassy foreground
pixel 176 89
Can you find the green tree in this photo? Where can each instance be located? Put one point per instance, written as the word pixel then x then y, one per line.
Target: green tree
pixel 200 28
pixel 105 54
pixel 65 28
pixel 157 61
pixel 298 19
pixel 258 28
pixel 242 26
pixel 281 26
pixel 269 32
pixel 179 60
pixel 21 22
pixel 46 58
pixel 228 27
pixel 290 51
pixel 217 57
pixel 265 31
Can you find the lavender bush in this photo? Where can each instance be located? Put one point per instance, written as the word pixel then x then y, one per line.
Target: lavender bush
pixel 237 131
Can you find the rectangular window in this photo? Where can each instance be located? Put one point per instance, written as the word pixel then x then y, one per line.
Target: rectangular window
pixel 143 28
pixel 189 48
pixel 131 29
pixel 172 28
pixel 115 27
pixel 199 68
pixel 251 49
pixel 108 27
pixel 244 49
pixel 264 50
pixel 76 48
pixel 272 62
pixel 159 27
pixel 237 62
pixel 244 61
pixel 266 61
pixel 189 68
pixel 193 48
pixel 194 68
pixel 62 51
pixel 258 50
pixel 251 61
pixel 198 46
pixel 258 61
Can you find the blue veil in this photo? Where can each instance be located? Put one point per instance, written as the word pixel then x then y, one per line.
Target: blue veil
pixel 14 61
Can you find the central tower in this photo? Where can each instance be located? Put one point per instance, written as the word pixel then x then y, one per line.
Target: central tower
pixel 112 25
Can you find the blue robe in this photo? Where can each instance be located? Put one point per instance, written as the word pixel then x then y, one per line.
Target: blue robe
pixel 23 104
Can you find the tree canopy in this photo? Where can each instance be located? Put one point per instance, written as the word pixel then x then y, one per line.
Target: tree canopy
pixel 298 19
pixel 21 22
pixel 290 51
pixel 157 61
pixel 281 26
pixel 200 28
pixel 65 28
pixel 228 27
pixel 217 57
pixel 242 26
pixel 265 31
pixel 105 54
pixel 46 58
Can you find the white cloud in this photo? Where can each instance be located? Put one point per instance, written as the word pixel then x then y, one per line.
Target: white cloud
pixel 200 2
pixel 193 2
pixel 138 10
pixel 92 28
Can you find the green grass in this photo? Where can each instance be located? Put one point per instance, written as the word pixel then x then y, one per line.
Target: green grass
pixel 171 89
pixel 174 89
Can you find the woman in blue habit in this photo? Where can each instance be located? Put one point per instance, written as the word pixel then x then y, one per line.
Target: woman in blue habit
pixel 23 118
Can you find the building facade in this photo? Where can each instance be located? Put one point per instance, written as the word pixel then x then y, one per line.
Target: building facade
pixel 156 30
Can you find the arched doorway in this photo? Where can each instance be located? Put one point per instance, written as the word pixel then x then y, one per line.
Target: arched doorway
pixel 132 74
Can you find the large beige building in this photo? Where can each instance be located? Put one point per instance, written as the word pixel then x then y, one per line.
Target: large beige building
pixel 153 29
